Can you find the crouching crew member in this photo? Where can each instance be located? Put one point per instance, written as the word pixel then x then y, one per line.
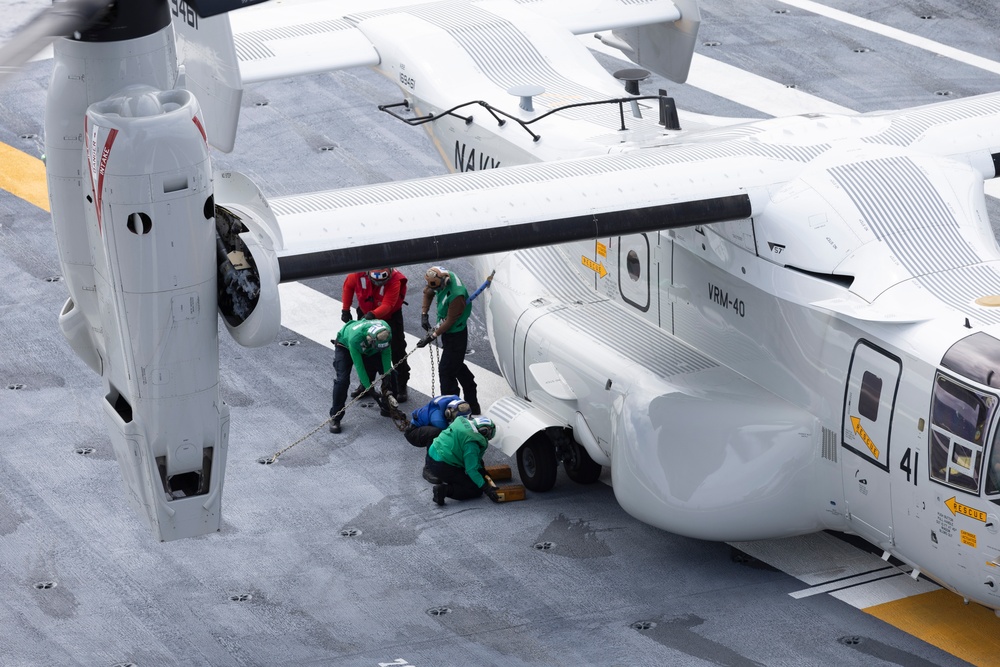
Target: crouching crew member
pixel 426 423
pixel 455 460
pixel 355 341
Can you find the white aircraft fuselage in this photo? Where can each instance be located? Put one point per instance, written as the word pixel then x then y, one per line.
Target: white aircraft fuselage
pixel 775 375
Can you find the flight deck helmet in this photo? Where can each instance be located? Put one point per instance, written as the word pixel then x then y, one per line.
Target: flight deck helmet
pixel 376 338
pixel 485 426
pixel 380 276
pixel 437 277
pixel 456 408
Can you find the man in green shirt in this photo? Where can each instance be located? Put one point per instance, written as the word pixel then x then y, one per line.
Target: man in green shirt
pixel 356 340
pixel 456 459
pixel 453 310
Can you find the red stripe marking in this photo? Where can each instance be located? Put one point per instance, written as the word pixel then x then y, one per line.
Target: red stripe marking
pixel 201 129
pixel 100 173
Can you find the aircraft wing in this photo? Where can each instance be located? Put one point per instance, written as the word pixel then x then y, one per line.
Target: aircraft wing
pixel 405 222
pixel 277 40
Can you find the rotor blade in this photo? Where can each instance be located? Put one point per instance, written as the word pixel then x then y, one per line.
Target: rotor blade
pixel 62 19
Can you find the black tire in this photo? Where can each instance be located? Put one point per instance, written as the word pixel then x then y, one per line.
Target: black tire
pixel 580 467
pixel 536 463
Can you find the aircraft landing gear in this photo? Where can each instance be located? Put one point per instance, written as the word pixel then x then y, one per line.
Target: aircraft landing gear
pixel 579 466
pixel 537 463
pixel 538 460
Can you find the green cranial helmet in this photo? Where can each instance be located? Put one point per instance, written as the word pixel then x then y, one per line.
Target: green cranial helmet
pixel 485 426
pixel 377 337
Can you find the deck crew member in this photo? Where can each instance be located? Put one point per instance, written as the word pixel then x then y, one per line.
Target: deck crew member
pixel 456 459
pixel 453 310
pixel 355 341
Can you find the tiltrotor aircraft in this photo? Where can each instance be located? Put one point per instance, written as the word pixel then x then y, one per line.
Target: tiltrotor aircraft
pixel 765 328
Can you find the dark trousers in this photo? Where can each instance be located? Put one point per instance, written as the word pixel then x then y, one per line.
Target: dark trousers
pixel 398 350
pixel 342 365
pixel 459 485
pixel 453 371
pixel 421 436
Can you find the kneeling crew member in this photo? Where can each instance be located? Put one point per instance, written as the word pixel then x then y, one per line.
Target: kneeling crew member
pixel 426 423
pixel 456 459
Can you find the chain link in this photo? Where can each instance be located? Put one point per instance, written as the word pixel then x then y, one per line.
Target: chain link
pixel 398 417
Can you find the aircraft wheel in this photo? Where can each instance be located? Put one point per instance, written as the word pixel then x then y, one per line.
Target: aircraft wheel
pixel 580 467
pixel 536 463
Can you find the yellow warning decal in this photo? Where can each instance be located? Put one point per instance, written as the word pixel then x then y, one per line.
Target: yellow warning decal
pixel 968 539
pixel 602 250
pixel 594 266
pixel 864 436
pixel 23 176
pixel 971 512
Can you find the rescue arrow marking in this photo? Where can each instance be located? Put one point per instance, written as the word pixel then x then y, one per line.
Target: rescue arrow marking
pixel 971 512
pixel 594 266
pixel 864 436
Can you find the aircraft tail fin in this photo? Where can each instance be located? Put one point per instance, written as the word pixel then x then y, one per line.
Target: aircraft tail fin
pixel 664 48
pixel 207 53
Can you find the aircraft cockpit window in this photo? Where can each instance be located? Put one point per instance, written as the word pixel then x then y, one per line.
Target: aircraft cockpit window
pixel 960 416
pixel 993 470
pixel 871 392
pixel 977 357
pixel 632 264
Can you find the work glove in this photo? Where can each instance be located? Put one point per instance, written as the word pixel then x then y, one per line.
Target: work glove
pixel 425 340
pixel 360 314
pixel 491 493
pixel 370 315
pixel 345 315
pixel 425 322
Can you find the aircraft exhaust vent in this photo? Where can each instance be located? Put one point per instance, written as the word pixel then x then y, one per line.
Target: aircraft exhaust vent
pixel 829 444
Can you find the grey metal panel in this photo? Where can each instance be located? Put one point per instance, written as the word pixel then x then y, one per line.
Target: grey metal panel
pixel 550 266
pixel 251 45
pixel 536 173
pixel 891 194
pixel 601 318
pixel 905 129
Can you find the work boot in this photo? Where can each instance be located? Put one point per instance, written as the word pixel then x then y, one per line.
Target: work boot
pixel 402 397
pixel 360 389
pixel 430 476
pixel 335 426
pixel 439 490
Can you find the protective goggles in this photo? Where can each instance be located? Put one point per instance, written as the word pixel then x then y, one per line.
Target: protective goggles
pixel 380 275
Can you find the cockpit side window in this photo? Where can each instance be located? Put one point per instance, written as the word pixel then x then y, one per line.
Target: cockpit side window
pixel 871 392
pixel 993 471
pixel 960 416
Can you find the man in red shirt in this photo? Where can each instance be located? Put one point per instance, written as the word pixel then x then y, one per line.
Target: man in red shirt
pixel 380 293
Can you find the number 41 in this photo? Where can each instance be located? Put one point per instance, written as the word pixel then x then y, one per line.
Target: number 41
pixel 904 465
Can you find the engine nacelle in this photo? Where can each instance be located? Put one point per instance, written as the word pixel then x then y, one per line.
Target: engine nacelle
pixel 248 234
pixel 151 220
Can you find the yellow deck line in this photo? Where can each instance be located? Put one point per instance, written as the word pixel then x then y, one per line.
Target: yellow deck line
pixel 23 176
pixel 970 632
